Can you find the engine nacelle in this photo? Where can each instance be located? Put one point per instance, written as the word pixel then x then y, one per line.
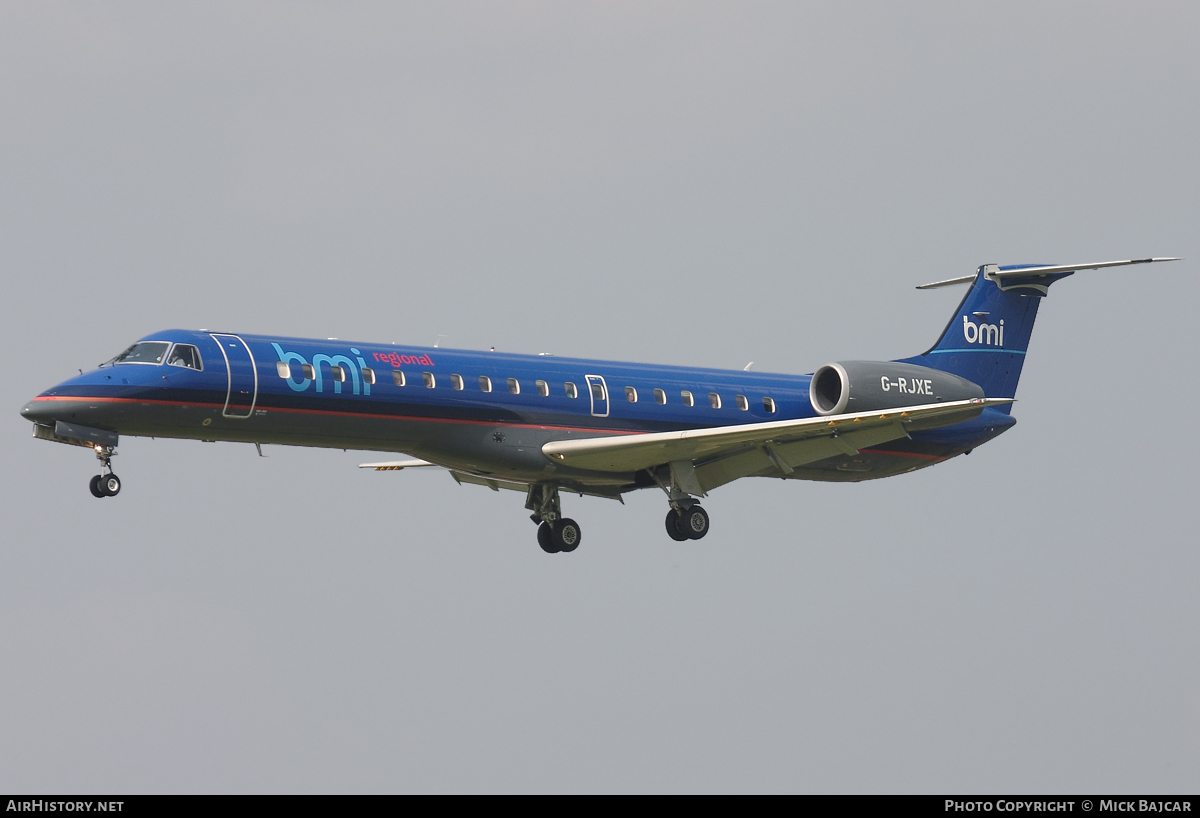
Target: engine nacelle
pixel 867 386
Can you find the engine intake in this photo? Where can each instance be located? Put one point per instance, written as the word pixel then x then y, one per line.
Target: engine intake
pixel 866 386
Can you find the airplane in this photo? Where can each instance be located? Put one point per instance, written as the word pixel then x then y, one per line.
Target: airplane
pixel 545 425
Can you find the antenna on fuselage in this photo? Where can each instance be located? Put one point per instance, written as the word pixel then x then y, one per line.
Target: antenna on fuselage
pixel 746 368
pixel 439 340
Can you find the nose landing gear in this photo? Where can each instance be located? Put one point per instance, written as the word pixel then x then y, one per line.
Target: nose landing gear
pixel 106 483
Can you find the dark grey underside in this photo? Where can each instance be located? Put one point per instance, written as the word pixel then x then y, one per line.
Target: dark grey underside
pixel 501 451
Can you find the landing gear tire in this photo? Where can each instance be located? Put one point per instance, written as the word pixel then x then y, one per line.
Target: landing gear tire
pixel 97 490
pixel 566 535
pixel 111 484
pixel 673 529
pixel 546 539
pixel 694 522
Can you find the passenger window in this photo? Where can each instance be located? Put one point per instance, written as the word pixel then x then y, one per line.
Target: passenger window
pixel 397 377
pixel 513 386
pixel 543 389
pixel 686 397
pixel 714 400
pixel 368 375
pixel 337 373
pixel 631 394
pixel 428 378
pixel 572 392
pixel 307 371
pixel 456 382
pixel 188 356
pixel 283 369
pixel 741 402
pixel 660 396
pixel 598 391
pixel 485 383
pixel 769 405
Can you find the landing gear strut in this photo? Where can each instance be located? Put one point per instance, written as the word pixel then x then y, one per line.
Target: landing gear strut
pixel 556 534
pixel 686 520
pixel 106 483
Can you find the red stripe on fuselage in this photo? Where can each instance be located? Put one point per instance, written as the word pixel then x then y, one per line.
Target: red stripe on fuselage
pixel 903 454
pixel 330 412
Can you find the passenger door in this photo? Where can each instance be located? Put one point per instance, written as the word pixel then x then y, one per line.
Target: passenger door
pixel 243 376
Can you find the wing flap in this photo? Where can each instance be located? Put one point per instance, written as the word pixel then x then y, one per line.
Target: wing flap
pixel 781 459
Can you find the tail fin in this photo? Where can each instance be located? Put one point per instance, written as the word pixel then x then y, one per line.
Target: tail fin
pixel 986 340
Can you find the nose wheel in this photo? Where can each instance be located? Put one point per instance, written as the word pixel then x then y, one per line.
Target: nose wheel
pixel 105 484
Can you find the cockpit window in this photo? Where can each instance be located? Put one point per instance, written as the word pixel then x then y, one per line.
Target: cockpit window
pixel 147 352
pixel 185 355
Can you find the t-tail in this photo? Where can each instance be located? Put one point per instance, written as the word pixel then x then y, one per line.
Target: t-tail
pixel 988 336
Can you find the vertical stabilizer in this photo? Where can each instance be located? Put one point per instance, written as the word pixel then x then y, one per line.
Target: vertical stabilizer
pixel 988 337
pixel 986 340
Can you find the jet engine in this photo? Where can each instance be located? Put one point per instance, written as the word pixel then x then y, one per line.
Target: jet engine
pixel 867 386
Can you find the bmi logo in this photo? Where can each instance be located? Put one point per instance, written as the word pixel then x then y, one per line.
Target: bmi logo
pixel 990 334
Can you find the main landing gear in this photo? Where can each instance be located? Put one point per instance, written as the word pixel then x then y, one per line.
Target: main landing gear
pixel 556 534
pixel 686 520
pixel 560 536
pixel 689 523
pixel 106 483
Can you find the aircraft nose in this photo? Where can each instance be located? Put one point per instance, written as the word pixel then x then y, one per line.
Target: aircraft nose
pixel 38 412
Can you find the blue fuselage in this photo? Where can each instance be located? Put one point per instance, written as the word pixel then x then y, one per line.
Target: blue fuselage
pixel 485 413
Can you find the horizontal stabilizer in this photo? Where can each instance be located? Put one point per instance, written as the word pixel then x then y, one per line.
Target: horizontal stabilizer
pixel 396 465
pixel 1002 273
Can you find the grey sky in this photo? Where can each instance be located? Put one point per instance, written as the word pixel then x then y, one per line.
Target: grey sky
pixel 683 183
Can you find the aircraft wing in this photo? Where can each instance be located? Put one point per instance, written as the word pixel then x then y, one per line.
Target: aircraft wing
pixel 702 459
pixel 707 458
